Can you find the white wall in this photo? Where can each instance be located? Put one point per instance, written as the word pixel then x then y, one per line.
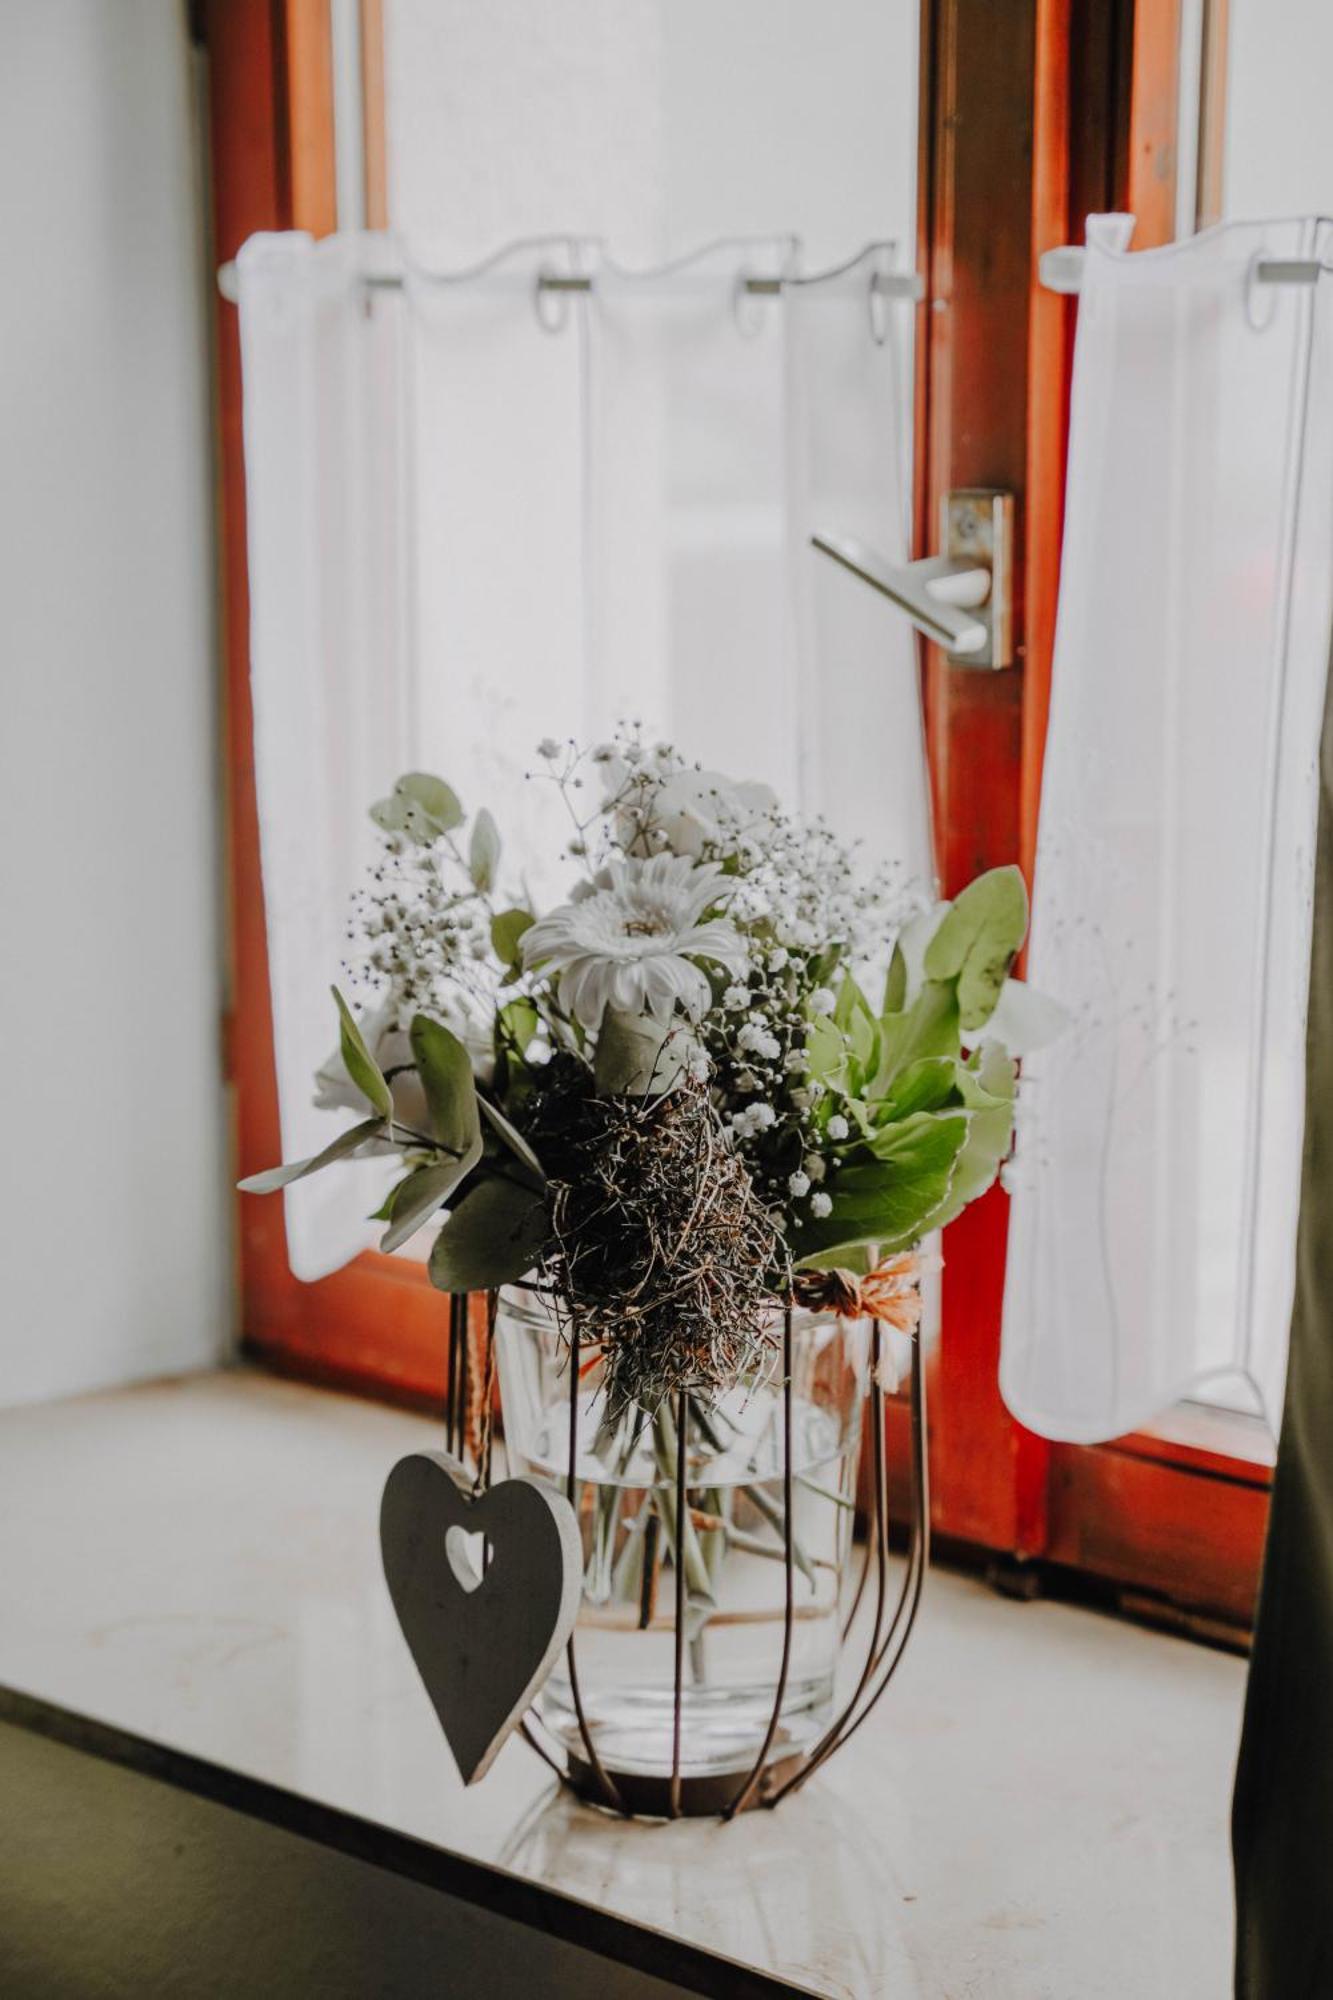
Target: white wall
pixel 1278 157
pixel 113 1216
pixel 658 124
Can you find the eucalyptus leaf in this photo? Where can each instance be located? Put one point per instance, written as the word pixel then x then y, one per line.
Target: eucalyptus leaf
pixel 494 1237
pixel 340 1148
pixel 419 805
pixel 484 851
pixel 978 940
pixel 416 1199
pixel 512 1138
pixel 438 800
pixel 445 1069
pixel 507 928
pixel 359 1063
pixel 893 1200
pixel 636 1056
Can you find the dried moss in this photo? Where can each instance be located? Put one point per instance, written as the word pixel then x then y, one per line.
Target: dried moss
pixel 664 1253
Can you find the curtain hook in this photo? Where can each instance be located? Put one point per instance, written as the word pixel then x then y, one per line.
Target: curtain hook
pixel 549 302
pixel 880 308
pixel 747 307
pixel 1256 318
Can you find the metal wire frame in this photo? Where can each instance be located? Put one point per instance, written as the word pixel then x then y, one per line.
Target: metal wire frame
pixel 764 1783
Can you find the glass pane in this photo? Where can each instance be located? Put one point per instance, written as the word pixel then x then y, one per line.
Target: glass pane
pixel 614 521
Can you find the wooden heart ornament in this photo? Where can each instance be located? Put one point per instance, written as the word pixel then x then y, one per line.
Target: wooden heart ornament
pixel 484 1631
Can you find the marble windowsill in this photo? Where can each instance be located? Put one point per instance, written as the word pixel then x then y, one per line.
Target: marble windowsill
pixel 1039 1806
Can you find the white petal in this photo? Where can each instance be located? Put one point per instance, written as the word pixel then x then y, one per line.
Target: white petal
pixel 1024 1020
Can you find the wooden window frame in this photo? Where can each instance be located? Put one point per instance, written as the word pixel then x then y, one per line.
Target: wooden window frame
pixel 1033 112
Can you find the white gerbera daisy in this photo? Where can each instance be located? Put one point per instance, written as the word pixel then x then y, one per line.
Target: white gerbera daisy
pixel 630 940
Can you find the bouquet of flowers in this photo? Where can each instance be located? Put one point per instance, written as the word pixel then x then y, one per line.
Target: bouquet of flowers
pixel 672 1103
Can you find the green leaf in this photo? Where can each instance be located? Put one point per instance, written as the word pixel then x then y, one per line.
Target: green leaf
pixel 988 1091
pixel 339 1149
pixel 507 928
pixel 895 983
pixel 978 940
pixel 928 1028
pixel 926 1085
pixel 855 1017
pixel 484 852
pixel 892 1201
pixel 359 1063
pixel 445 1069
pixel 494 1237
pixel 636 1056
pixel 416 1199
pixel 826 1053
pixel 512 1138
pixel 419 805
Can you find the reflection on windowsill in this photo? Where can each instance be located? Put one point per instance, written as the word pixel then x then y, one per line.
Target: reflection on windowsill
pixel 1227 1423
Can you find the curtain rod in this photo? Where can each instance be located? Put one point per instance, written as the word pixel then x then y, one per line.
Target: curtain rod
pixel 883 284
pixel 1061 270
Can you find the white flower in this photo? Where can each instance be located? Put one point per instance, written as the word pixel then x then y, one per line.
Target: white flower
pixel 777 958
pixel 755 1118
pixel 822 1001
pixel 794 1062
pixel 538 1053
pixel 814 1166
pixel 750 903
pixel 837 1127
pixel 820 1205
pixel 603 753
pixel 798 1184
pixel 549 749
pixel 699 808
pixel 736 997
pixel 756 1040
pixel 630 941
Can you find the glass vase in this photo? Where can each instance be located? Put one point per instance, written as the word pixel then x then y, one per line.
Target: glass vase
pixel 730 1544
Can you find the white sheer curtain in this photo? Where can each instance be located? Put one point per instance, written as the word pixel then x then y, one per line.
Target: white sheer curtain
pixel 860 738
pixel 481 514
pixel 1157 1176
pixel 330 662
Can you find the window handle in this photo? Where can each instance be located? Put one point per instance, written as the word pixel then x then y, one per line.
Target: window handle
pixel 960 599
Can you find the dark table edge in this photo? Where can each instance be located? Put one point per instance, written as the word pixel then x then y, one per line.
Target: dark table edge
pixel 523 1901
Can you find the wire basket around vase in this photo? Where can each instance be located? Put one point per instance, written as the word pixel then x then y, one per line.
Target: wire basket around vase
pixel 703 1676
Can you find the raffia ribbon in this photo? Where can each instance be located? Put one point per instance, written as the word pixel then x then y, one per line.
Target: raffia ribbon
pixel 891 1293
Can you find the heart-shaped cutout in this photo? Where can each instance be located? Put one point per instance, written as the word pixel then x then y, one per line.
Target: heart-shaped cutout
pixel 467 1557
pixel 483 1643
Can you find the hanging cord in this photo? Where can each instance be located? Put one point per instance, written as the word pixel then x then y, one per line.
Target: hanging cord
pixel 482 1430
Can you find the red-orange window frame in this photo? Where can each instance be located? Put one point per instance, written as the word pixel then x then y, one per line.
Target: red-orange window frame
pixel 1032 112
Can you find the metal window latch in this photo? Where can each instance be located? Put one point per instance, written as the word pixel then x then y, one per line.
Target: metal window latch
pixel 962 598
